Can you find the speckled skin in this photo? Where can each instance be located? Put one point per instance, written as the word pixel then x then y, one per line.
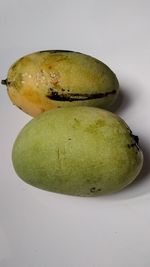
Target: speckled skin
pixel 82 151
pixel 50 79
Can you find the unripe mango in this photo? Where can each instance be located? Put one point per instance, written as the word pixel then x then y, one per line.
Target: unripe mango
pixel 55 78
pixel 81 151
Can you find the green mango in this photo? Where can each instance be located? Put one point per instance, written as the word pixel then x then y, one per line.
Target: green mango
pixel 57 78
pixel 82 151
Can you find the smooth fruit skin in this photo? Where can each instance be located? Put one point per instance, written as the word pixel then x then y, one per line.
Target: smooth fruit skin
pixel 82 151
pixel 57 78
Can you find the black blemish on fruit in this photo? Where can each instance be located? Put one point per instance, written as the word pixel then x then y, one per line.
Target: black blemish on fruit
pixel 92 190
pixel 18 107
pixel 135 142
pixel 76 123
pixel 61 51
pixel 69 138
pixel 58 153
pixel 56 51
pixel 99 189
pixel 132 145
pixel 66 96
pixel 136 138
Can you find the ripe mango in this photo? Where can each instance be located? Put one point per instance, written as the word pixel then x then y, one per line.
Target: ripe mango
pixel 82 151
pixel 57 78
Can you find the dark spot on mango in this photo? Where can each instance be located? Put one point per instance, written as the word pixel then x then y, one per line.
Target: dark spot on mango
pixel 57 96
pixel 58 153
pixel 43 110
pixel 136 138
pixel 133 145
pixel 56 51
pixel 76 123
pixel 92 190
pixel 19 107
pixel 61 51
pixel 95 126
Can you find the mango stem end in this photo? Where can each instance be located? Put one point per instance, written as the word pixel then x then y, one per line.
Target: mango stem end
pixel 4 82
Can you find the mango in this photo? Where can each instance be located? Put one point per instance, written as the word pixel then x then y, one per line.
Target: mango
pixel 58 78
pixel 81 151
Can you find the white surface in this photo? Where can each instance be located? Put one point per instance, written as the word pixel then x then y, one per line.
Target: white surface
pixel 43 229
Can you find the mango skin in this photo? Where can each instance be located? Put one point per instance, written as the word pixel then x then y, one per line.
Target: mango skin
pixel 57 78
pixel 81 151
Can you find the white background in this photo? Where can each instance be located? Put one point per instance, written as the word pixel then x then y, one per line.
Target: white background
pixel 44 229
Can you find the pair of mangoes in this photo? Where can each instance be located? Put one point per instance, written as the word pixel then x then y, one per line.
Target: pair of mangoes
pixel 74 148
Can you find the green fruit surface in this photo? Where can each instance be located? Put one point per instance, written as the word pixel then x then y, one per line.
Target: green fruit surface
pixel 50 79
pixel 82 151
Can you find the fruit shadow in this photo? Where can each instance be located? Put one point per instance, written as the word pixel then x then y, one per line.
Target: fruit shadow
pixel 123 101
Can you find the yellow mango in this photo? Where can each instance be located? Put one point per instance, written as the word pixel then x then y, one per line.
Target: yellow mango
pixel 58 78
